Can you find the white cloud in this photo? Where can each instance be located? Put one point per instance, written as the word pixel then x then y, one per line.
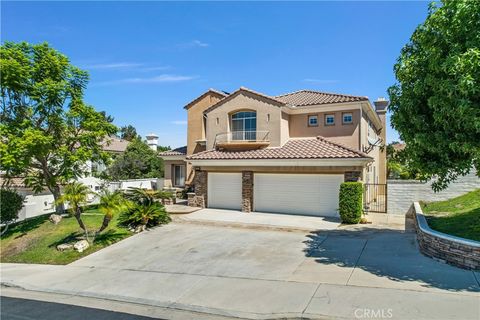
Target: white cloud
pixel 193 44
pixel 163 78
pixel 199 43
pixel 180 122
pixel 322 81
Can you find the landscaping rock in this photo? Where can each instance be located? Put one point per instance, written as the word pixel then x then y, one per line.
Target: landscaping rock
pixel 55 218
pixel 65 246
pixel 140 228
pixel 81 245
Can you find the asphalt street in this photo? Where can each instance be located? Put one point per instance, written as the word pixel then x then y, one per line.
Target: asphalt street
pixel 24 309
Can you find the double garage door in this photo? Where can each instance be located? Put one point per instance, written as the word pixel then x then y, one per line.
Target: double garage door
pixel 305 194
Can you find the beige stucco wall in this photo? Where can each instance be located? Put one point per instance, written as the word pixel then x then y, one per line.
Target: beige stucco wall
pixel 196 127
pixel 346 134
pixel 168 165
pixel 245 101
pixel 376 172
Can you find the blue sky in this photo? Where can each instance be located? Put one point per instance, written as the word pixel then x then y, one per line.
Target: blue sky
pixel 148 59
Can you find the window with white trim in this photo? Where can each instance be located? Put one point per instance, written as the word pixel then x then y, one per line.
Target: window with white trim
pixel 329 119
pixel 347 118
pixel 313 121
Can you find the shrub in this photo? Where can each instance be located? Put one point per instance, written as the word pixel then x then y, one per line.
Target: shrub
pixel 144 215
pixel 350 202
pixel 10 204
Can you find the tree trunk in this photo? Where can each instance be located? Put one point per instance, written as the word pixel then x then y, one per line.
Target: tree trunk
pixel 59 207
pixel 106 221
pixel 78 216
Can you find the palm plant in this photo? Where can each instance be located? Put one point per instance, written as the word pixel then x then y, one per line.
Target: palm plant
pixel 75 195
pixel 143 210
pixel 141 196
pixel 111 203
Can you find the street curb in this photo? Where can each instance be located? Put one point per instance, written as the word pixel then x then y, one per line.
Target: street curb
pixel 173 306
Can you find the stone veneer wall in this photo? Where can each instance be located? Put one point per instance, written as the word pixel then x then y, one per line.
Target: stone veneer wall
pixel 200 182
pixel 453 250
pixel 402 193
pixel 247 191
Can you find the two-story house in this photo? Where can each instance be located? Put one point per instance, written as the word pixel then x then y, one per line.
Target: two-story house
pixel 286 154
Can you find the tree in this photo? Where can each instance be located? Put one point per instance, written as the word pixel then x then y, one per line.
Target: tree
pixel 398 165
pixel 111 203
pixel 435 103
pixel 10 204
pixel 128 133
pixel 48 132
pixel 138 161
pixel 75 195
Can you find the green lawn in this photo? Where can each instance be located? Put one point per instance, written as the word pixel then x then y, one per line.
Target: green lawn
pixel 35 240
pixel 458 216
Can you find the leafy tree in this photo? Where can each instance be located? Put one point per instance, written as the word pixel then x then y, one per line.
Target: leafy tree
pixel 10 204
pixel 138 161
pixel 128 133
pixel 398 165
pixel 48 132
pixel 435 103
pixel 163 148
pixel 75 195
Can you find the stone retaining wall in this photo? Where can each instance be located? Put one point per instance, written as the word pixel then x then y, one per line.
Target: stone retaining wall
pixel 453 250
pixel 401 193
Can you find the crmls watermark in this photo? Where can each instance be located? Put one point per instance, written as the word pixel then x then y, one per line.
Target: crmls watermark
pixel 373 313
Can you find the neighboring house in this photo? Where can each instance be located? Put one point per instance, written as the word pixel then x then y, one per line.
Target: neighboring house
pixel 287 154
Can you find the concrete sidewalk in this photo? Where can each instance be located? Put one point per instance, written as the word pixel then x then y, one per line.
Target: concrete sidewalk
pixel 264 274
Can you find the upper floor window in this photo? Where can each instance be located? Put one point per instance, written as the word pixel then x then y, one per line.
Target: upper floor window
pixel 329 119
pixel 313 121
pixel 347 118
pixel 244 125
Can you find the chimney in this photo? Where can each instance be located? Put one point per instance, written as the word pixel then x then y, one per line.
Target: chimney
pixel 381 109
pixel 381 105
pixel 152 141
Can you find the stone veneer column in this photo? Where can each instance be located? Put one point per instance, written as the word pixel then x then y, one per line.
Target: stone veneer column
pixel 200 182
pixel 352 176
pixel 247 191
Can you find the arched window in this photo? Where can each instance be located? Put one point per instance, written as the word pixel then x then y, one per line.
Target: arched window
pixel 244 125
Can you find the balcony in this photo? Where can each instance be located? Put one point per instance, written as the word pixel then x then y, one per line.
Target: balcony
pixel 241 140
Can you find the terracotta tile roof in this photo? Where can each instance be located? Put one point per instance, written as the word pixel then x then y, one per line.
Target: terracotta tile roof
pixel 114 144
pixel 175 152
pixel 311 148
pixel 309 97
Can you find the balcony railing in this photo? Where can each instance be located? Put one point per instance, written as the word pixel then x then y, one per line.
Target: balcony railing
pixel 242 139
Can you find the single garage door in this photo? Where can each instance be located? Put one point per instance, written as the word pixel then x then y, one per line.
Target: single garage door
pixel 225 190
pixel 308 194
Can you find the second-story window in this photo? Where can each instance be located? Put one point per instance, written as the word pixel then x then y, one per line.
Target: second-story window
pixel 313 121
pixel 347 118
pixel 244 125
pixel 329 119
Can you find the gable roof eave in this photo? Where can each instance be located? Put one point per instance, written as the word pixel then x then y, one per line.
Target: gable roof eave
pixel 218 93
pixel 245 90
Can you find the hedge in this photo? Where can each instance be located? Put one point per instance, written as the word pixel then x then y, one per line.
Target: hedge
pixel 351 202
pixel 10 204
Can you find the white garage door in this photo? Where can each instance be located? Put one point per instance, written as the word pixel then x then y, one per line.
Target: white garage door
pixel 225 190
pixel 309 194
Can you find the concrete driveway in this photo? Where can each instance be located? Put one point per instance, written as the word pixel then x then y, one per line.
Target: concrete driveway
pixel 264 274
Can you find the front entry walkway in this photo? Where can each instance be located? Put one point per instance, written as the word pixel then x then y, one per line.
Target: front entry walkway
pixel 260 220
